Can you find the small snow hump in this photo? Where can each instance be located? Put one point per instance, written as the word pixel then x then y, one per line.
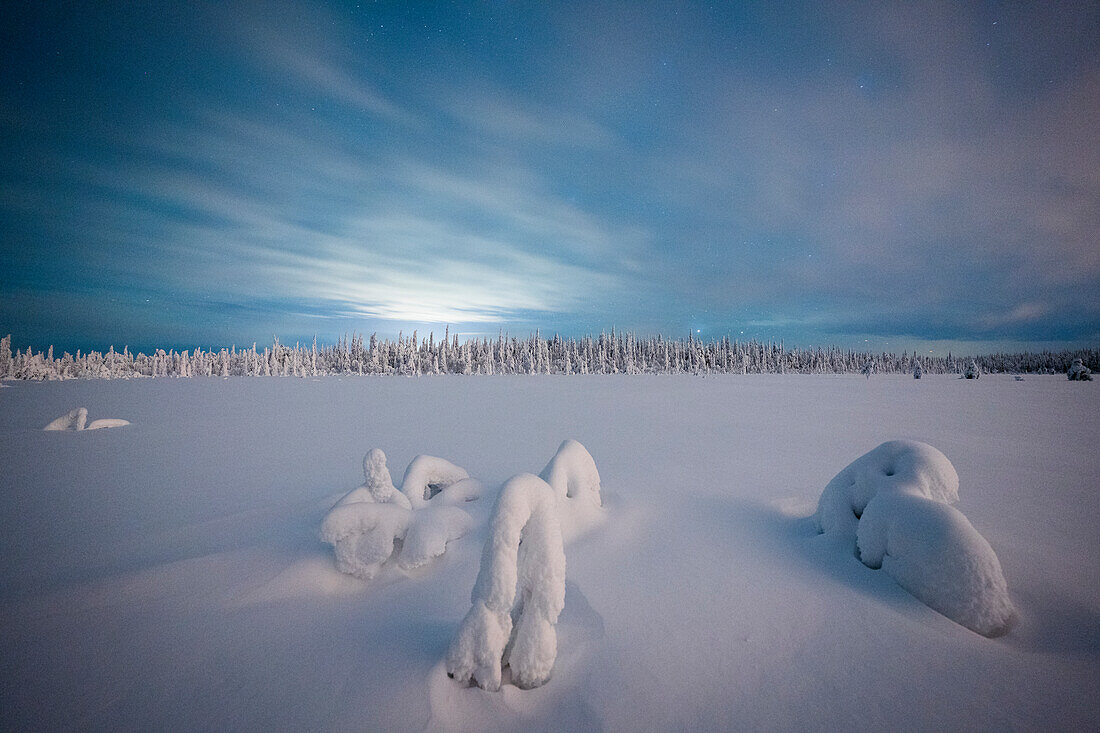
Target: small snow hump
pixel 572 473
pixel 518 594
pixel 894 502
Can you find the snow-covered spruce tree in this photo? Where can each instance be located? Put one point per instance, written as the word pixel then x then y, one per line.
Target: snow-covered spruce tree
pixel 895 504
pixel 868 368
pixel 972 371
pixel 1077 371
pixel 918 370
pixel 5 357
pixel 518 595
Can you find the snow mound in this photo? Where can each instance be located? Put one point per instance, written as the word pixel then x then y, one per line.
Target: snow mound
pixel 426 476
pixel 78 420
pixel 895 465
pixel 364 534
pixel 519 592
pixel 430 531
pixel 895 503
pixel 934 552
pixel 572 473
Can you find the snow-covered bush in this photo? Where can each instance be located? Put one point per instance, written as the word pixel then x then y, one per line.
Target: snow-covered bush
pixel 1078 372
pixel 572 473
pixel 519 592
pixel 894 502
pixel 972 371
pixel 78 420
pixel 868 368
pixel 374 521
pixel 918 370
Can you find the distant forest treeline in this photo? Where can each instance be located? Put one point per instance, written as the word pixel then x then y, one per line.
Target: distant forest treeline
pixel 614 353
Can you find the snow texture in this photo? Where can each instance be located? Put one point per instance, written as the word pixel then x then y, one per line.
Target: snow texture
pixel 426 476
pixel 77 419
pixel 572 473
pixel 519 592
pixel 895 502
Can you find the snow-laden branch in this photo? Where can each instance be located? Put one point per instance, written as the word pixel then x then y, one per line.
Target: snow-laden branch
pixel 519 592
pixel 894 502
pixel 426 476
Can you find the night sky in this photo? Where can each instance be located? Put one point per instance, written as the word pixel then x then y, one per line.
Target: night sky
pixel 891 175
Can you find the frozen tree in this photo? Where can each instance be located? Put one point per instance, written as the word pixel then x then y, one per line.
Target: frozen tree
pixel 868 368
pixel 972 371
pixel 894 502
pixel 519 592
pixel 918 370
pixel 1077 372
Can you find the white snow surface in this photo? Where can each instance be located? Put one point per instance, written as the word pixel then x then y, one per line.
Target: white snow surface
pixel 172 578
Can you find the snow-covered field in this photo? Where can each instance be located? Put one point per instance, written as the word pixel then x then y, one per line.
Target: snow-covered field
pixel 168 574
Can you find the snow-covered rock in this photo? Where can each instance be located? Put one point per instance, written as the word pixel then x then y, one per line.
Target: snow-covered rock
pixel 426 476
pixel 78 420
pixel 519 592
pixel 895 503
pixel 572 473
pixel 1078 372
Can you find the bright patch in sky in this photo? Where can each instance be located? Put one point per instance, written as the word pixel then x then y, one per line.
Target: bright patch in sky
pixel 181 174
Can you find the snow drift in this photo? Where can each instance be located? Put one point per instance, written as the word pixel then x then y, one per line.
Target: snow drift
pixel 519 592
pixel 895 503
pixel 78 420
pixel 375 521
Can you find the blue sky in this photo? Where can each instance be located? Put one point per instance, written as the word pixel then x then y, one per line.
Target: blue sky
pixel 882 174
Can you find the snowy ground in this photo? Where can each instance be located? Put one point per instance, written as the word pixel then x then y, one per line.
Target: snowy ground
pixel 168 574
